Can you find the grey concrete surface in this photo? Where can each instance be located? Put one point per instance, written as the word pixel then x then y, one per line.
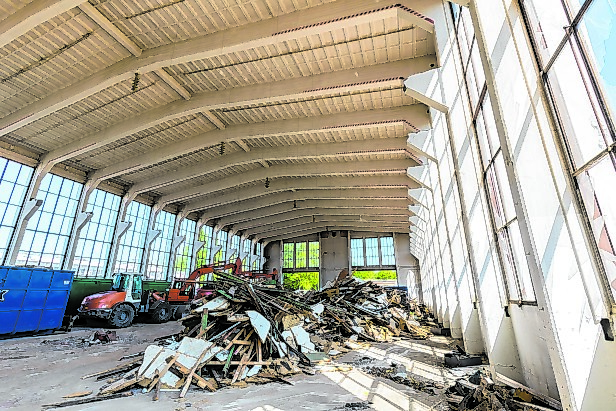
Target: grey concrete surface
pixel 40 370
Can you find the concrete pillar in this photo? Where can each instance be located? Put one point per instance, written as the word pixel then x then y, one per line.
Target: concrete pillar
pixel 150 236
pixel 176 242
pixel 335 255
pixel 120 229
pixel 197 244
pixel 31 206
pixel 273 256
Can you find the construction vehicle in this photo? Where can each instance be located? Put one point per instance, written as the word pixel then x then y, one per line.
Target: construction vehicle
pixel 126 299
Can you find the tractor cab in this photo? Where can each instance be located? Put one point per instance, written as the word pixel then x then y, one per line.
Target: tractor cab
pixel 131 284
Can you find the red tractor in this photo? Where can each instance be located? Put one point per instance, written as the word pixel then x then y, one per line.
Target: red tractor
pixel 127 298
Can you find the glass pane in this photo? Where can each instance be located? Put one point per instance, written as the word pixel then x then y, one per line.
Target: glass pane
pixel 508 264
pixel 505 190
pixel 288 252
pixel 313 254
pixel 372 251
pixel 598 32
pixel 357 252
pixel 597 186
pixel 494 197
pixel 547 24
pixel 387 251
pixel 300 255
pixel 527 291
pixel 584 129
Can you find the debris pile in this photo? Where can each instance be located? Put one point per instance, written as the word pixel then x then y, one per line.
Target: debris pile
pixel 397 373
pixel 259 333
pixel 479 392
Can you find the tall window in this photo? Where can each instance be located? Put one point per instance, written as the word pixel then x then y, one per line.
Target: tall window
pixel 160 251
pixel 246 248
pixel 96 237
pixel 373 252
pixel 183 256
pixel 575 48
pixel 256 265
pixel 14 181
pixel 288 255
pixel 132 242
pixel 235 245
pixel 387 251
pixel 357 252
pixel 313 254
pixel 204 254
pixel 300 255
pixel 48 231
pixel 221 240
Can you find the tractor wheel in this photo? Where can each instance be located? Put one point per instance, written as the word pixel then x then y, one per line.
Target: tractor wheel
pixel 179 311
pixel 122 316
pixel 162 313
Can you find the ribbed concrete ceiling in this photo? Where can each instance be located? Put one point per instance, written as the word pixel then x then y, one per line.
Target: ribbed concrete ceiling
pixel 201 104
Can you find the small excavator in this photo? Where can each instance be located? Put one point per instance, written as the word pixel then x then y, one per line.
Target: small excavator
pixel 127 298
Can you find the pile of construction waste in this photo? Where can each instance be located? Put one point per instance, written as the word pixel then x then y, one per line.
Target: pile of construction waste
pixel 258 333
pixel 479 392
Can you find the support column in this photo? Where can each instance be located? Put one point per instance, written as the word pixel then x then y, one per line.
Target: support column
pixel 176 242
pixel 230 250
pixel 334 256
pixel 31 206
pixel 120 229
pixel 215 248
pixel 198 244
pixel 150 236
pixel 244 253
pixel 81 220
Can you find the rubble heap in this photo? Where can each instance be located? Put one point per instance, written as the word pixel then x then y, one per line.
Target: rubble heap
pixel 479 392
pixel 258 333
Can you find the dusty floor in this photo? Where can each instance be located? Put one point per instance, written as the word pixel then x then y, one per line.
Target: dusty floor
pixel 40 370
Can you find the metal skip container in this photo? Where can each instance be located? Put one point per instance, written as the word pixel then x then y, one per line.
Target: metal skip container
pixel 32 299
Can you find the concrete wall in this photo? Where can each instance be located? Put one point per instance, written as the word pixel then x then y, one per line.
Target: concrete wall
pixel 335 256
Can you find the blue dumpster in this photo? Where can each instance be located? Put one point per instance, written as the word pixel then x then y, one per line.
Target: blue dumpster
pixel 32 299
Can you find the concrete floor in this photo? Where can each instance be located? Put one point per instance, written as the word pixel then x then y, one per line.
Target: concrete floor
pixel 40 370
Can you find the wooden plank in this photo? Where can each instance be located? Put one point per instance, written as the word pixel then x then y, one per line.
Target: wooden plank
pixel 114 370
pixel 157 391
pixel 200 381
pixel 240 368
pixel 77 394
pixel 259 350
pixel 192 372
pixel 163 371
pixel 87 400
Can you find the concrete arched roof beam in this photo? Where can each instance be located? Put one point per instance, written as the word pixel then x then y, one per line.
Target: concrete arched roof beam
pixel 31 15
pixel 295 170
pixel 414 117
pixel 300 195
pixel 286 211
pixel 334 219
pixel 270 32
pixel 372 206
pixel 307 229
pixel 324 184
pixel 291 152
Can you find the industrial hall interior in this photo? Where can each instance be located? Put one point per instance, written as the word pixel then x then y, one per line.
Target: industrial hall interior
pixel 279 205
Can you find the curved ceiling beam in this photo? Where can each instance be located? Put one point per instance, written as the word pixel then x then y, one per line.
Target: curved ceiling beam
pixel 292 152
pixel 410 116
pixel 254 218
pixel 388 75
pixel 31 15
pixel 325 185
pixel 328 219
pixel 266 33
pixel 279 211
pixel 268 200
pixel 311 228
pixel 398 215
pixel 295 170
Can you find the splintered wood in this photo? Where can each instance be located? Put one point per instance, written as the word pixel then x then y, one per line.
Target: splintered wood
pixel 258 333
